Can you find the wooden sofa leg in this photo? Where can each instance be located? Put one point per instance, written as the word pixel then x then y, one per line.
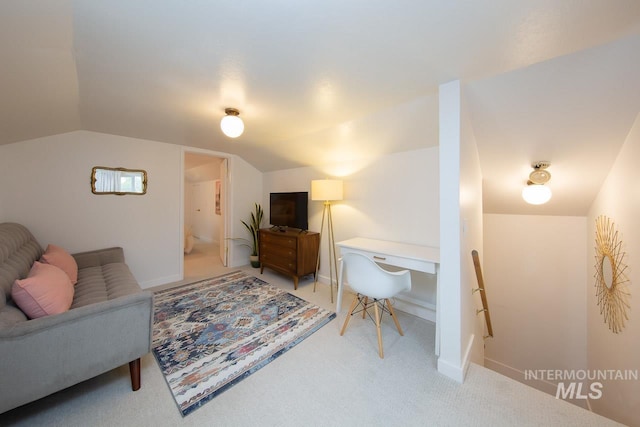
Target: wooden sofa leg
pixel 134 370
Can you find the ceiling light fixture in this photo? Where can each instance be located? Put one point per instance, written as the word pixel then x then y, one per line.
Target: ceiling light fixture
pixel 232 124
pixel 536 193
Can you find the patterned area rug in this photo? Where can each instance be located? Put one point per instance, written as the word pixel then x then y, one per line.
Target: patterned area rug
pixel 209 335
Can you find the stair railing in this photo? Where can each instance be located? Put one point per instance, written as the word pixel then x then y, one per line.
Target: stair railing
pixel 483 293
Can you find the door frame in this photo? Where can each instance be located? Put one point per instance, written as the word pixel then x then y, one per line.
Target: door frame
pixel 228 194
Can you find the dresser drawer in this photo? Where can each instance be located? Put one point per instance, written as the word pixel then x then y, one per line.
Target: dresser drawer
pixel 278 251
pixel 276 240
pixel 290 251
pixel 277 261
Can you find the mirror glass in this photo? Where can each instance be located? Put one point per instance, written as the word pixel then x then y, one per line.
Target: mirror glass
pixel 119 181
pixel 607 271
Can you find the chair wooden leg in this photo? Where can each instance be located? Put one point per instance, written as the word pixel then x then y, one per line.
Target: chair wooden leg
pixel 395 319
pixel 377 311
pixel 346 320
pixel 364 306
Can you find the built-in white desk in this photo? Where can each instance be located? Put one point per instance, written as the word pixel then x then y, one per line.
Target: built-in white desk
pixel 403 255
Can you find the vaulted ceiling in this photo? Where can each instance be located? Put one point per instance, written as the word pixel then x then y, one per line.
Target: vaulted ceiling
pixel 544 79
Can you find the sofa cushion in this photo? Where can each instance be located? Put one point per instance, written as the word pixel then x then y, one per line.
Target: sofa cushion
pixel 10 315
pixel 46 290
pixel 103 283
pixel 18 250
pixel 55 255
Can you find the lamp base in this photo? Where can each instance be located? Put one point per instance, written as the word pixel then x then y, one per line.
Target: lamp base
pixel 333 263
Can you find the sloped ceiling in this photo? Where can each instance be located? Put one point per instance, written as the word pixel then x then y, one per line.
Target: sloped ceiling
pixel 546 80
pixel 574 111
pixel 38 80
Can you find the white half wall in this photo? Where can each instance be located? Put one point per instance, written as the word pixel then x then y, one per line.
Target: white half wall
pixel 460 231
pixel 472 234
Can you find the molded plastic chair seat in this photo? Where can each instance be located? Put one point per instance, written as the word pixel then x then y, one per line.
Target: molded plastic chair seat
pixel 370 281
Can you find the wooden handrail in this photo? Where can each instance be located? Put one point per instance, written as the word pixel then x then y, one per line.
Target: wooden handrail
pixel 483 292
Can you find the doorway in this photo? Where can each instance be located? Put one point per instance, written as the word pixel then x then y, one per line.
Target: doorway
pixel 205 249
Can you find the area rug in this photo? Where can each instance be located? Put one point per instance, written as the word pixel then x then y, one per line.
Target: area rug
pixel 209 335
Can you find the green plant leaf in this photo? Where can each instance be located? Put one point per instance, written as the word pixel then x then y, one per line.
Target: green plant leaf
pixel 253 226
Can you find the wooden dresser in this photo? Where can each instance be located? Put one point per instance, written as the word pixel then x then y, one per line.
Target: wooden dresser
pixel 291 252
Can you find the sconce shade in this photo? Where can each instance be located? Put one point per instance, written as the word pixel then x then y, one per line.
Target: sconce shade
pixel 231 124
pixel 326 189
pixel 536 194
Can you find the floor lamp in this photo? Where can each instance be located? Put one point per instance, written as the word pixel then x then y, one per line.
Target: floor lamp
pixel 327 190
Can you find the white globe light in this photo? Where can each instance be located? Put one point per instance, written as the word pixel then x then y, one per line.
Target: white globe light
pixel 232 126
pixel 536 194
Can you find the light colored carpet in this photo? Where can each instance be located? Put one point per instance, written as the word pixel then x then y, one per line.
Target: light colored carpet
pixel 327 380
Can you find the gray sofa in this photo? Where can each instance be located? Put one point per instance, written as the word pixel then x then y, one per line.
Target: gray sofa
pixel 109 323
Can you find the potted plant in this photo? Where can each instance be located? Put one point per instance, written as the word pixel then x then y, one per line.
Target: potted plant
pixel 253 226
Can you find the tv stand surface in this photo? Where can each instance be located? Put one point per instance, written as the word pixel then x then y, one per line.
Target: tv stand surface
pixel 284 229
pixel 292 252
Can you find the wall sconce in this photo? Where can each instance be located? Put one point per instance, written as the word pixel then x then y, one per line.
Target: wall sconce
pixel 536 193
pixel 232 124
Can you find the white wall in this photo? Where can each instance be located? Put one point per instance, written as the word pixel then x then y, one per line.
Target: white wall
pixel 246 187
pixel 46 188
pixel 387 196
pixel 471 226
pixel 50 194
pixel 460 231
pixel 618 199
pixel 394 197
pixel 535 275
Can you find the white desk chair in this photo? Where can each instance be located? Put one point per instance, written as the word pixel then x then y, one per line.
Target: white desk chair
pixel 369 280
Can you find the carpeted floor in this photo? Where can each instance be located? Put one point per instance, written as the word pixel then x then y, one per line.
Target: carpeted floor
pixel 328 380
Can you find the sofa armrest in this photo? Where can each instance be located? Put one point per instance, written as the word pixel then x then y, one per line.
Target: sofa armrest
pixel 99 257
pixel 43 324
pixel 48 354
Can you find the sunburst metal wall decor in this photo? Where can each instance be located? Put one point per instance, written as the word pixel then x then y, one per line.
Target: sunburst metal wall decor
pixel 611 281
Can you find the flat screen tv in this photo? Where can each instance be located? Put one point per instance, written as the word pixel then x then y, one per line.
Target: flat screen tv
pixel 289 210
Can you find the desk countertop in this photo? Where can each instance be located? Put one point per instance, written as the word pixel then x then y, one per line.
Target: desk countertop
pixel 406 250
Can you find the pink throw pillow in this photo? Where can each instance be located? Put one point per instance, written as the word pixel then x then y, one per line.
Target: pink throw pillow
pixel 57 256
pixel 46 290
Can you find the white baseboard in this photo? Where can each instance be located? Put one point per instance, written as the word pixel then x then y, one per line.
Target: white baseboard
pixel 454 371
pixel 539 384
pixel 416 307
pixel 466 360
pixel 160 281
pixel 451 370
pixel 518 375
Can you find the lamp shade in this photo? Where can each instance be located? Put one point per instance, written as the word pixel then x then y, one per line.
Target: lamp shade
pixel 326 189
pixel 231 124
pixel 536 194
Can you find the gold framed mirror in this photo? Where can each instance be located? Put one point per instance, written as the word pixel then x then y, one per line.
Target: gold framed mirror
pixel 611 282
pixel 118 181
